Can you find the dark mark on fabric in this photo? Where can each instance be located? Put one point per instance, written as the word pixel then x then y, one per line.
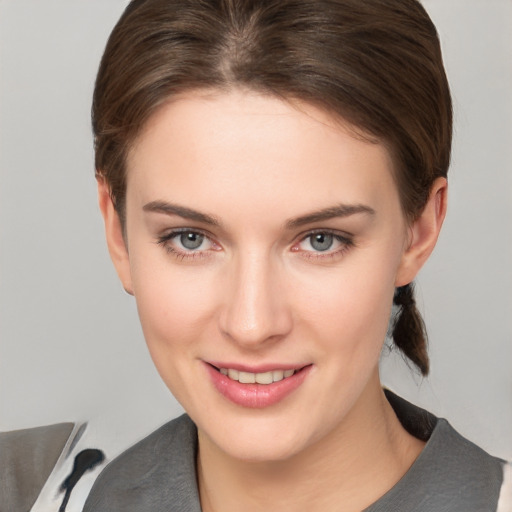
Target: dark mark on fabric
pixel 84 461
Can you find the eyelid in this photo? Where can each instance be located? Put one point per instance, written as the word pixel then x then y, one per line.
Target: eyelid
pixel 169 232
pixel 166 238
pixel 346 240
pixel 344 235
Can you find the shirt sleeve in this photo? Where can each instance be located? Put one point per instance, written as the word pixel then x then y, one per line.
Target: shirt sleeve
pixel 27 458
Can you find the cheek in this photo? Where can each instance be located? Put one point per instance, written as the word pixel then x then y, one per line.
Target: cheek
pixel 351 305
pixel 174 305
pixel 175 310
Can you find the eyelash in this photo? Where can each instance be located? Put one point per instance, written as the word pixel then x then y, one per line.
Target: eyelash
pixel 181 255
pixel 345 240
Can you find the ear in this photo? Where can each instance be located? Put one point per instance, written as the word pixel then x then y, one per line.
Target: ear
pixel 423 233
pixel 114 232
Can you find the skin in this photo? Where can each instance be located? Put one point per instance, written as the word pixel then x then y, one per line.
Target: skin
pixel 258 291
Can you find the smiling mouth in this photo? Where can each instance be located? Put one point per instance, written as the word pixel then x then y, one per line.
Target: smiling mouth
pixel 256 378
pixel 257 389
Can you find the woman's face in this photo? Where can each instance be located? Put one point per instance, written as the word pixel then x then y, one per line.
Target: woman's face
pixel 263 239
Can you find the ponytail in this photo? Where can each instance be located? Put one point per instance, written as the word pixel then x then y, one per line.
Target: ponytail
pixel 409 333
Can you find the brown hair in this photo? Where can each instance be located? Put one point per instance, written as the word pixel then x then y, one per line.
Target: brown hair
pixel 374 63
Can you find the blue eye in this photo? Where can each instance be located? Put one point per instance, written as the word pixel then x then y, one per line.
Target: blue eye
pixel 186 243
pixel 321 241
pixel 323 244
pixel 191 241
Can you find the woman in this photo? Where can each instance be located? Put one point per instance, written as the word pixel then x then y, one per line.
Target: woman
pixel 272 176
pixel 271 182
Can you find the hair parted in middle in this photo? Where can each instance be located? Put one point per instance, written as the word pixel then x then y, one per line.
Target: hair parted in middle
pixel 374 64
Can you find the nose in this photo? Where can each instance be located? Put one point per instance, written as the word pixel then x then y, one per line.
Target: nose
pixel 256 309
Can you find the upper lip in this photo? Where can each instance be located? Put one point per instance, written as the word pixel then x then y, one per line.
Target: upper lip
pixel 260 368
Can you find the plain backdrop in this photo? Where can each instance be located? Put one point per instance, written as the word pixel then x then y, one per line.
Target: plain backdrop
pixel 71 346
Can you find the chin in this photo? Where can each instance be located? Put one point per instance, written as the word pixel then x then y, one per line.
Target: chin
pixel 259 447
pixel 257 436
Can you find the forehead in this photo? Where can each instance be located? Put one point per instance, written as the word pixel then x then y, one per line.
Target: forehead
pixel 242 146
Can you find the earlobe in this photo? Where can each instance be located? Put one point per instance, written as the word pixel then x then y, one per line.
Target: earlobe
pixel 423 233
pixel 114 234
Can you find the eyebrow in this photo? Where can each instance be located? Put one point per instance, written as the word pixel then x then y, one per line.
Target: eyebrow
pixel 341 210
pixel 181 211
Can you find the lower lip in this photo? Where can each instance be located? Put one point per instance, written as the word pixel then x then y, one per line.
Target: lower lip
pixel 256 396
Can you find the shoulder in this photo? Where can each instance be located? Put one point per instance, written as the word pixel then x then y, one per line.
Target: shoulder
pixel 27 458
pixel 156 474
pixel 451 473
pixel 462 470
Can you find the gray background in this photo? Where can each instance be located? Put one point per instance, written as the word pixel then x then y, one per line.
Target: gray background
pixel 71 347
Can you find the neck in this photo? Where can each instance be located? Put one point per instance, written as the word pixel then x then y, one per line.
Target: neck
pixel 346 471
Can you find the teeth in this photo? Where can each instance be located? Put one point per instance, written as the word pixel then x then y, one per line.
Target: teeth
pixel 259 378
pixel 264 378
pixel 246 378
pixel 277 375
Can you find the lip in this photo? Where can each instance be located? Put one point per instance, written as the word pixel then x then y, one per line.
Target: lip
pixel 256 396
pixel 262 368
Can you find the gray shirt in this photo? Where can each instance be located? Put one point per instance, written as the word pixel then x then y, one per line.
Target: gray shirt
pixel 451 474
